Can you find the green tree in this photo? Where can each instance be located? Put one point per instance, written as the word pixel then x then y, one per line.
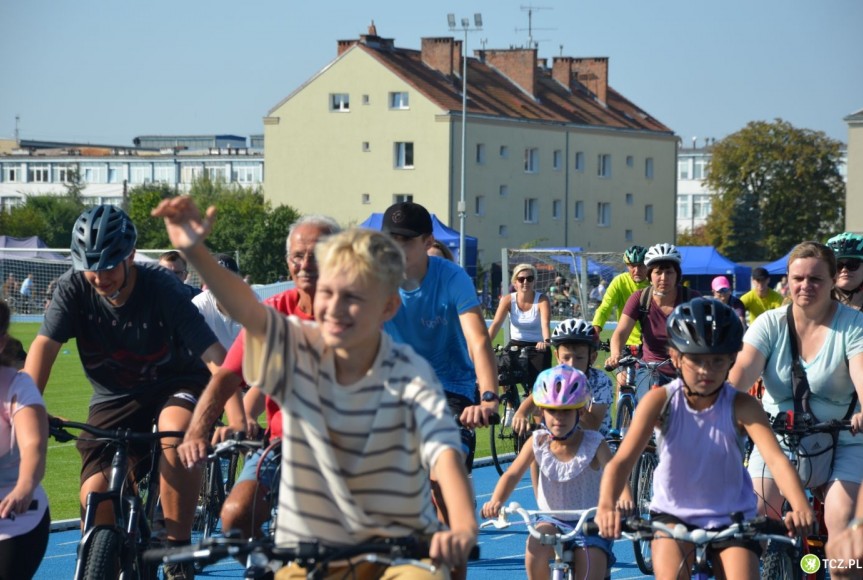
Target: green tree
pixel 695 237
pixel 142 200
pixel 776 186
pixel 50 217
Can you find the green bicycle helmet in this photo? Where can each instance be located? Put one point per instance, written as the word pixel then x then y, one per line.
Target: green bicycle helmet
pixel 847 245
pixel 634 255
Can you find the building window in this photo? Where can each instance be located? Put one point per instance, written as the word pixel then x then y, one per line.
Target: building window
pixel 603 167
pixel 579 161
pixel 38 174
pixel 399 101
pixel 603 214
pixel 699 170
pixel 366 146
pixel 531 160
pixel 504 190
pixel 480 153
pixel 683 207
pixel 366 199
pixel 11 173
pixel 167 173
pixel 504 152
pixel 556 209
pixel 629 199
pixel 701 206
pixel 216 173
pixel 579 211
pixel 630 160
pixel 191 173
pixel 501 231
pixel 683 168
pixel 404 155
pixel 531 210
pixel 9 202
pixel 648 168
pixel 340 102
pixel 402 197
pixel 479 206
pixel 141 173
pixel 365 99
pixel 648 213
pixel 63 173
pixel 93 174
pixel 557 159
pixel 627 235
pixel 242 173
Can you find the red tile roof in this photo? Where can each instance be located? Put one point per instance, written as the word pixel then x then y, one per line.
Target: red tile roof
pixel 492 93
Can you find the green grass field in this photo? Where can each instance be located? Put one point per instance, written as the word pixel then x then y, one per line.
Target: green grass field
pixel 68 394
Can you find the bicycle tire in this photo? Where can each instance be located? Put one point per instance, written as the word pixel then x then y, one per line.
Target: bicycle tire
pixel 642 491
pixel 215 497
pixel 504 443
pixel 102 555
pixel 623 417
pixel 780 563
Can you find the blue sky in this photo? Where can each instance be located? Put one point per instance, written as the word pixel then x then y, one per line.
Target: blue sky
pixel 104 71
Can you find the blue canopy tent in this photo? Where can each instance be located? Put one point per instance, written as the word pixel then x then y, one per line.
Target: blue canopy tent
pixel 442 233
pixel 778 267
pixel 593 268
pixel 703 263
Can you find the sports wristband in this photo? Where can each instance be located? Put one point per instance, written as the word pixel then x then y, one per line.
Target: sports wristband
pixel 855 523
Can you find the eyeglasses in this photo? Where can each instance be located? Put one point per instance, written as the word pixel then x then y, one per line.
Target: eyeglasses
pixel 525 279
pixel 850 265
pixel 298 258
pixel 723 290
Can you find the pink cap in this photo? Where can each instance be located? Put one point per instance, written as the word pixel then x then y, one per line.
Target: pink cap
pixel 719 283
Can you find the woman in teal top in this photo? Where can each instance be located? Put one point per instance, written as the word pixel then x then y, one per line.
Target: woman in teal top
pixel 830 346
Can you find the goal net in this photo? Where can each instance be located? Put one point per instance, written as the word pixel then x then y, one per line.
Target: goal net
pixel 569 278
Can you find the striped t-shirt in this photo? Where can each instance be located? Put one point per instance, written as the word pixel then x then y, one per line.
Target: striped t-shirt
pixel 355 458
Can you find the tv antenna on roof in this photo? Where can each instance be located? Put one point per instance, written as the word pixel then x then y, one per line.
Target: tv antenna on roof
pixel 531 43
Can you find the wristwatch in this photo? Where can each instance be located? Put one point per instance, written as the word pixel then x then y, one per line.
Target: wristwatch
pixel 489 397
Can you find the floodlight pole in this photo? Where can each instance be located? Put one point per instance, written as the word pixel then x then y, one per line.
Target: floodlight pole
pixel 462 210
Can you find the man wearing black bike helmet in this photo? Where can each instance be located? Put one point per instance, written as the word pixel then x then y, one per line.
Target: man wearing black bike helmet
pixel 621 288
pixel 145 349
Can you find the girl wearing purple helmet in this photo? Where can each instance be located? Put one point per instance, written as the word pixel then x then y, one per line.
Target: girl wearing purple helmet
pixel 570 462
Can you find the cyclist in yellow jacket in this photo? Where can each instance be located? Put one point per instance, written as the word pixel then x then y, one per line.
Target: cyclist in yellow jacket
pixel 621 288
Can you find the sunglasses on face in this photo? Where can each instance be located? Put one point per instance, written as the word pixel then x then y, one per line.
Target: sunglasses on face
pixel 723 291
pixel 525 279
pixel 850 265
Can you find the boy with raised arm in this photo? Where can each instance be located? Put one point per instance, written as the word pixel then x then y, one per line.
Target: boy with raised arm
pixel 364 419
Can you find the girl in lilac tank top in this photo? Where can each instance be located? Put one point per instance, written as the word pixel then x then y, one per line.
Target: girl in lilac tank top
pixel 570 465
pixel 700 421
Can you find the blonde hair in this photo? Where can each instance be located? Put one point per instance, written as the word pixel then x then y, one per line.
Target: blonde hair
pixel 364 253
pixel 521 268
pixel 815 250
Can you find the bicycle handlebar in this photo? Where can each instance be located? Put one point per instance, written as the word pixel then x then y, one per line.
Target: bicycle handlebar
pixel 528 517
pixel 758 529
pixel 790 423
pixel 57 428
pixel 236 441
pixel 629 360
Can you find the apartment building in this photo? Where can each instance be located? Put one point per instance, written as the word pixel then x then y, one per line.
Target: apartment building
pixel 554 155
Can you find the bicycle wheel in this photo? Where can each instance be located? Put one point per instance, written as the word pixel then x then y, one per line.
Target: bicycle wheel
pixel 780 563
pixel 210 500
pixel 102 555
pixel 505 443
pixel 624 415
pixel 642 491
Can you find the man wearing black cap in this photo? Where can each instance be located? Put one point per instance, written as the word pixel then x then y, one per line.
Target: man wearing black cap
pixel 762 297
pixel 441 319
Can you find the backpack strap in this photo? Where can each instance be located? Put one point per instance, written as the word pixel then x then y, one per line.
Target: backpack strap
pixel 644 305
pixel 663 413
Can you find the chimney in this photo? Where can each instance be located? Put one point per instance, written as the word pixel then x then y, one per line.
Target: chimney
pixel 561 70
pixel 442 54
pixel 519 64
pixel 593 74
pixel 344 45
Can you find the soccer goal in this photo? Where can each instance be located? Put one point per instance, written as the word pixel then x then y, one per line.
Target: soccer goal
pixel 570 279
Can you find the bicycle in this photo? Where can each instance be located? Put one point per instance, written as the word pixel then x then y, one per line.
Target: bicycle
pixel 780 561
pixel 559 568
pixel 641 478
pixel 759 529
pixel 504 442
pixel 109 551
pixel 263 558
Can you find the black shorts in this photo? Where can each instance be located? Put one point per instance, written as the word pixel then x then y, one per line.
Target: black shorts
pixel 715 548
pixel 137 414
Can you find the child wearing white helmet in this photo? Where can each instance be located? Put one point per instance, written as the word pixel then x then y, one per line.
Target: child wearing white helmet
pixel 570 461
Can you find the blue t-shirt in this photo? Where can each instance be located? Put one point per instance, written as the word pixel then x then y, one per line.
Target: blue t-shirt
pixel 429 321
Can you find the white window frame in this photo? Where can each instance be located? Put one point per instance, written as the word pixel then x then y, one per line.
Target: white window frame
pixel 140 173
pixel 557 159
pixel 684 207
pixel 62 173
pixel 603 214
pixel 402 197
pixel 531 160
pixel 531 210
pixel 603 165
pixel 191 173
pixel 93 173
pixel 683 169
pixel 702 205
pixel 648 168
pixel 12 173
pixel 399 100
pixel 242 173
pixel 216 172
pixel 699 169
pixel 403 155
pixel 165 173
pixel 40 173
pixel 340 102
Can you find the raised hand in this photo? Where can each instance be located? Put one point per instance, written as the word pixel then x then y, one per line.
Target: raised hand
pixel 183 220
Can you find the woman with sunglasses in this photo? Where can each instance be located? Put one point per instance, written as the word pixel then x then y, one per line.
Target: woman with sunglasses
pixel 848 249
pixel 722 291
pixel 529 315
